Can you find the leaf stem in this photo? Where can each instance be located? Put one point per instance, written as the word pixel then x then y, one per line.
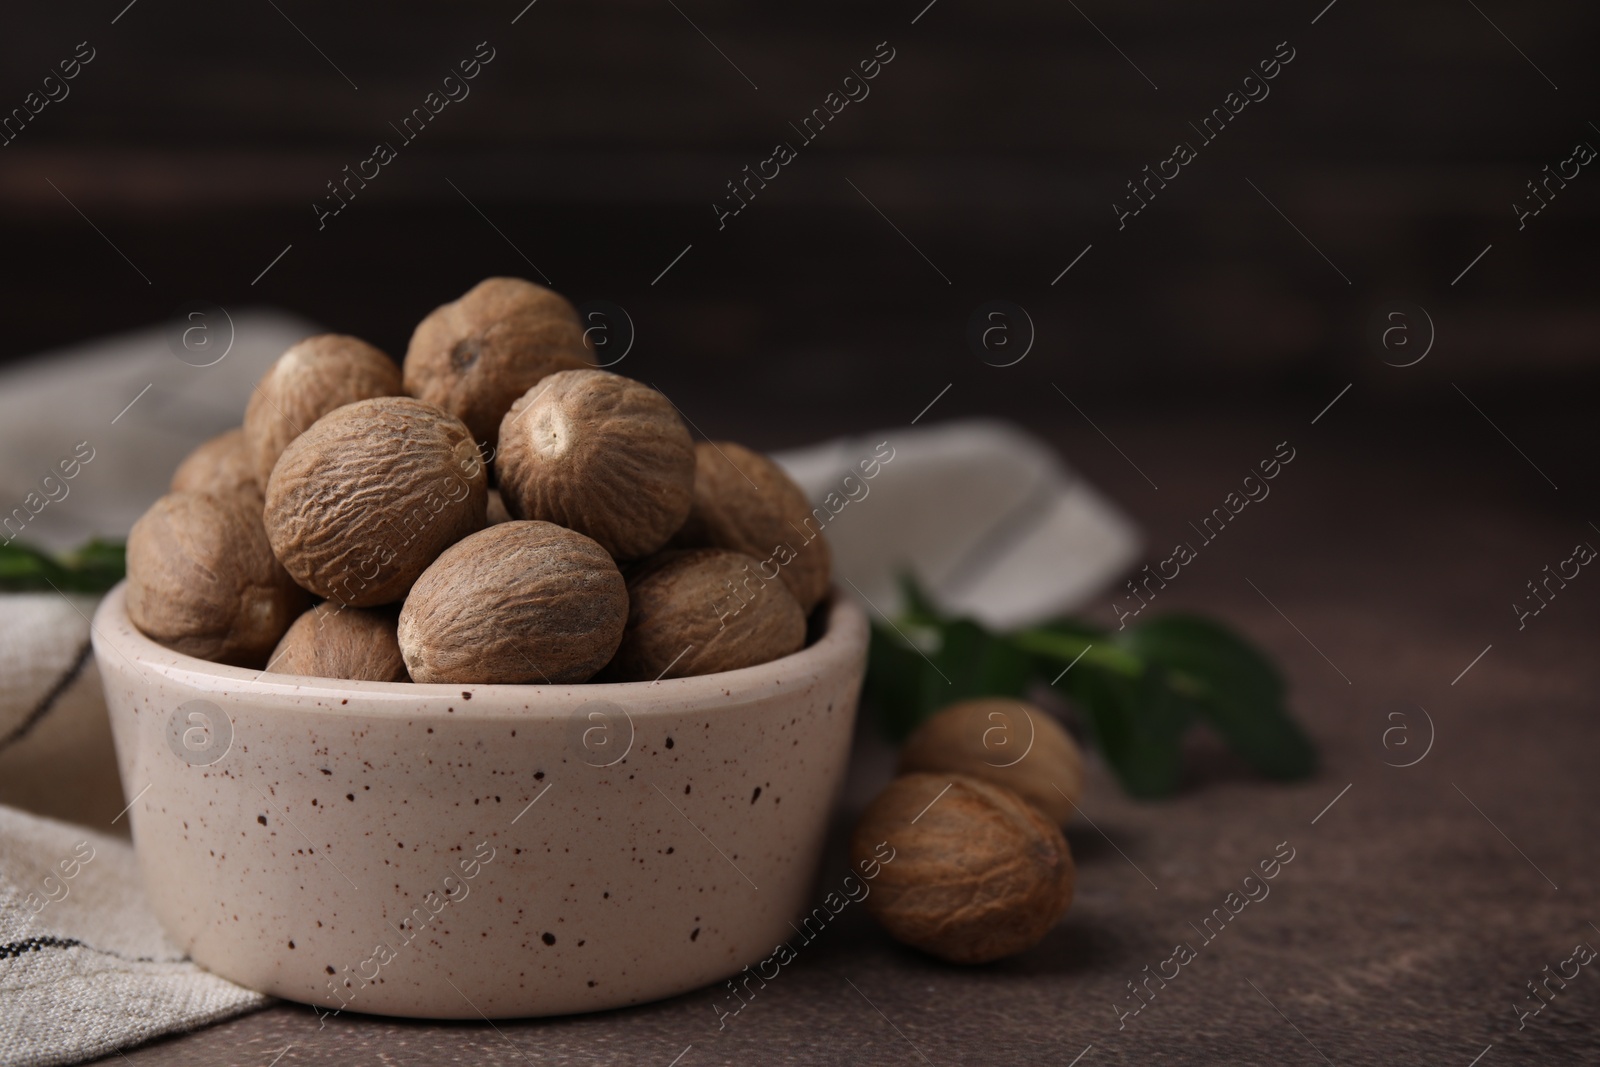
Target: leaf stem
pixel 1068 647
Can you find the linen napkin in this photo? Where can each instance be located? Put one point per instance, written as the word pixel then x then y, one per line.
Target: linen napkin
pixel 85 969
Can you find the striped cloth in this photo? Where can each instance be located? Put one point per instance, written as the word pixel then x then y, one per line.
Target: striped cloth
pixel 85 970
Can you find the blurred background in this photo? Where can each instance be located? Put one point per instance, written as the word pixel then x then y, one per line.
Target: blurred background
pixel 985 161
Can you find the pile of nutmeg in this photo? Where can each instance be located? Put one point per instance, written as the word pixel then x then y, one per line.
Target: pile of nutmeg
pixel 980 868
pixel 610 547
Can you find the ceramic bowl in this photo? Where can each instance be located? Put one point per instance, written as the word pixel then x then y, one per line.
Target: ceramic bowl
pixel 466 851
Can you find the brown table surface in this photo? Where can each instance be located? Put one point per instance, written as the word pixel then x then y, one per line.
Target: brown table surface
pixel 1419 902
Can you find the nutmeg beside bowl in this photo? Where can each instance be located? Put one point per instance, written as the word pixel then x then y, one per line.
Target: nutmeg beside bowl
pixel 979 873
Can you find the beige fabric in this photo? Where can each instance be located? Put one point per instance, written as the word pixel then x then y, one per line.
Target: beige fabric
pixel 84 967
pixel 55 747
pixel 987 516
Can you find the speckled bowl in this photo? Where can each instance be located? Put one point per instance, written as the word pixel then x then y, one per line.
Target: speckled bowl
pixel 492 850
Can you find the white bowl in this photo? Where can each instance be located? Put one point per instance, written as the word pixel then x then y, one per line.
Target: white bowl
pixel 457 851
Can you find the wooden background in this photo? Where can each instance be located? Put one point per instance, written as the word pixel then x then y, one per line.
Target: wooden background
pixel 997 140
pixel 592 147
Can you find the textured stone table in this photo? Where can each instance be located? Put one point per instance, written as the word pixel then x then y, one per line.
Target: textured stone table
pixel 1419 901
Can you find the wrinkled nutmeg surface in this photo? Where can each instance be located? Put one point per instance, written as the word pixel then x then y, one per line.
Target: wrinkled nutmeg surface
pixel 978 875
pixel 1005 742
pixel 331 641
pixel 601 454
pixel 474 356
pixel 700 611
pixel 309 380
pixel 519 602
pixel 202 579
pixel 220 465
pixel 366 498
pixel 744 501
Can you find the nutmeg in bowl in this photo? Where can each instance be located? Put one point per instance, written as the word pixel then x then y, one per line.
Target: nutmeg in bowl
pixel 433 850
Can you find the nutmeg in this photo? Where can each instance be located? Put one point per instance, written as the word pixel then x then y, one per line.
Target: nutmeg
pixel 517 602
pixel 309 380
pixel 977 873
pixel 699 611
pixel 333 641
pixel 601 454
pixel 474 356
pixel 1006 742
pixel 220 465
pixel 744 501
pixel 362 502
pixel 202 579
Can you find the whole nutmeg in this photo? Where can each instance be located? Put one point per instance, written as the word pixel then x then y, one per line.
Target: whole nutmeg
pixel 309 380
pixel 333 641
pixel 474 356
pixel 517 602
pixel 976 873
pixel 699 611
pixel 221 465
pixel 366 498
pixel 1005 742
pixel 202 579
pixel 744 501
pixel 601 454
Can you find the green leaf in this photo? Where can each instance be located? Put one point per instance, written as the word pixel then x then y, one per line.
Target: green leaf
pixel 1136 723
pixel 96 566
pixel 977 663
pixel 899 683
pixel 1071 644
pixel 1233 687
pixel 952 660
pixel 93 568
pixel 1134 717
pixel 25 569
pixel 915 600
pixel 1139 690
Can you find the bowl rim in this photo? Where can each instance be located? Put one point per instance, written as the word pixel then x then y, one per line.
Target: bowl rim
pixel 121 648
